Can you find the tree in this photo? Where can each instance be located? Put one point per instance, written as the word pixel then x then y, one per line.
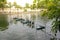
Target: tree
pixel 2 4
pixel 53 12
pixel 37 4
pixel 16 5
pixel 9 4
pixel 27 5
pixel 33 6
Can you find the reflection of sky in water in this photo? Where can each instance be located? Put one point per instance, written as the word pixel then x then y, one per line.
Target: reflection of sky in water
pixel 15 32
pixel 22 32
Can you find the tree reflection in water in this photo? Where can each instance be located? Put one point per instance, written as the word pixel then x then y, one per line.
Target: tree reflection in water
pixel 3 22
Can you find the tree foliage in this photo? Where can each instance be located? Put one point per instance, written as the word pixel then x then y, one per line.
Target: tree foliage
pixel 2 3
pixel 16 5
pixel 9 5
pixel 27 5
pixel 53 12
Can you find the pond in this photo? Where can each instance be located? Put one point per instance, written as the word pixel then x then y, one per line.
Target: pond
pixel 19 31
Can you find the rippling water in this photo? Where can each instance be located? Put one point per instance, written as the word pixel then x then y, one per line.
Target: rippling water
pixel 19 31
